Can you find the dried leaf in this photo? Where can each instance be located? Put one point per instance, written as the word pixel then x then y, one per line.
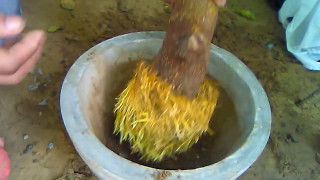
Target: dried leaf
pixel 68 4
pixel 52 29
pixel 247 14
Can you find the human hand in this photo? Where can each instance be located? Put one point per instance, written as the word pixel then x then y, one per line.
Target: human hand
pixel 18 57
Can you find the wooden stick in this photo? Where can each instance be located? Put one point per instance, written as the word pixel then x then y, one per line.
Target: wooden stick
pixel 183 58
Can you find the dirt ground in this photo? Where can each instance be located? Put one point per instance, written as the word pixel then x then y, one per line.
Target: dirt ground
pixel 36 140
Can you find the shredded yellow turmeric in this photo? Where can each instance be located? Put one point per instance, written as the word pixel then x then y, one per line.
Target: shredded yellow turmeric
pixel 156 120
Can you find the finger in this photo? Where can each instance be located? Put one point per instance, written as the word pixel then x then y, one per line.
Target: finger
pixel 24 69
pixel 10 25
pixel 11 59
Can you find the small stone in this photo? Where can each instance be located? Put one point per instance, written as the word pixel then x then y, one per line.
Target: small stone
pixel 123 5
pixel 32 70
pixel 203 149
pixel 33 87
pixel 318 157
pixel 290 138
pixel 197 156
pixel 28 148
pixel 50 146
pixel 270 45
pixel 67 4
pixel 47 78
pixel 35 79
pixel 25 137
pixel 43 102
pixel 40 71
pixel 40 113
